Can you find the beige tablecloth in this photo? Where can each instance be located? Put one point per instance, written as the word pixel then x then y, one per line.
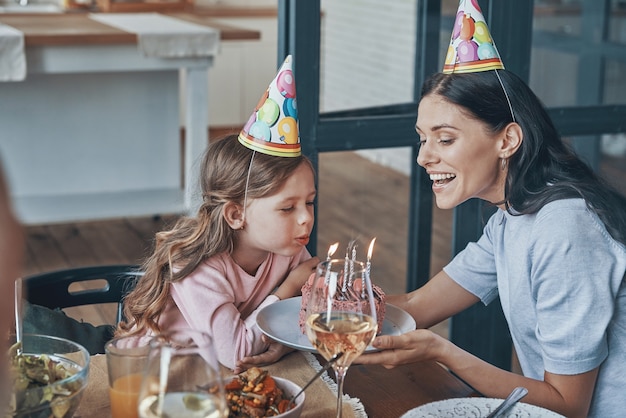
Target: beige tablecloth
pixel 320 399
pixel 164 36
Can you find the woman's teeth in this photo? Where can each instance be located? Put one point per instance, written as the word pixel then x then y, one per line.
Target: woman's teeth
pixel 442 177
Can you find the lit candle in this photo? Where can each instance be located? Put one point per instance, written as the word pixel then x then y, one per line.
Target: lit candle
pixel 368 264
pixel 331 250
pixel 346 263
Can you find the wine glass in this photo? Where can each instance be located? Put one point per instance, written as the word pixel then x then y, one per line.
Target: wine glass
pixel 341 315
pixel 182 378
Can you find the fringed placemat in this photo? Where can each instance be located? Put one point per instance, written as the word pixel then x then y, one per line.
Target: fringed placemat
pixel 299 367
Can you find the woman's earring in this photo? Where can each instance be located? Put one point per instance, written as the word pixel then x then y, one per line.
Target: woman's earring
pixel 503 163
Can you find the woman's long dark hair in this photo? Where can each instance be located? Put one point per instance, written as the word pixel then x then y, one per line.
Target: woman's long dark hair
pixel 544 168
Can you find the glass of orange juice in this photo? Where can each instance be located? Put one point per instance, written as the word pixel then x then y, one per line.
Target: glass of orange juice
pixel 126 359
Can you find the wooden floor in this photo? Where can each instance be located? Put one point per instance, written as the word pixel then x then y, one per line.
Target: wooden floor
pixel 357 199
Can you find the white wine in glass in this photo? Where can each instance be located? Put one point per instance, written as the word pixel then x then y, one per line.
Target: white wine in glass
pixel 182 378
pixel 341 315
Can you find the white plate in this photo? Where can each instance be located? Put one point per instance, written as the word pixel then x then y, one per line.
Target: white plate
pixel 279 321
pixel 476 408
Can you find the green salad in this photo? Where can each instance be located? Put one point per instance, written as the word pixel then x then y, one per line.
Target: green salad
pixel 33 380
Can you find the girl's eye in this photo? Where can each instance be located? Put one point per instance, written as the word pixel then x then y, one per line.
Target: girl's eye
pixel 289 209
pixel 444 141
pixel 311 203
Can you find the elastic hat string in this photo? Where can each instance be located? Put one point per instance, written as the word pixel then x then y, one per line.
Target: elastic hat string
pixel 508 100
pixel 245 194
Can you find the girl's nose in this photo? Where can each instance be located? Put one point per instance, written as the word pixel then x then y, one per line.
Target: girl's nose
pixel 306 216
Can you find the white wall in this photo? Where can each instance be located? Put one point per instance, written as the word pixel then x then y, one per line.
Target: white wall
pixel 242 71
pixel 367 59
pixel 368 51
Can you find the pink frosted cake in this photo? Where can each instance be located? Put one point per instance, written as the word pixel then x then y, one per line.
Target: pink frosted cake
pixel 379 301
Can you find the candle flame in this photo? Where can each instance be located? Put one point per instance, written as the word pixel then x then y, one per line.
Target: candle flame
pixel 332 249
pixel 371 248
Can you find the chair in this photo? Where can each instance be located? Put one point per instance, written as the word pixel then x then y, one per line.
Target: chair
pixel 47 293
pixel 56 289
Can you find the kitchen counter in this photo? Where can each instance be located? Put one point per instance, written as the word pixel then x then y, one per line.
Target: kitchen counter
pixel 79 29
pixel 93 131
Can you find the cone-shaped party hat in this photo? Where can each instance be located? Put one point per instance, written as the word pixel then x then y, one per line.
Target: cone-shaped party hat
pixel 273 126
pixel 471 47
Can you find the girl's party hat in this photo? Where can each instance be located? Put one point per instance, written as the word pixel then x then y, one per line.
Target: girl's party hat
pixel 471 47
pixel 273 126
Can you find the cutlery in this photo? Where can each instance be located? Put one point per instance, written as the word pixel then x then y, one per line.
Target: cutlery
pixel 513 398
pixel 314 378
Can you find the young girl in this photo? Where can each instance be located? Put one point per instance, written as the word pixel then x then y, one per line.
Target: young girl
pixel 554 253
pixel 215 271
pixel 244 250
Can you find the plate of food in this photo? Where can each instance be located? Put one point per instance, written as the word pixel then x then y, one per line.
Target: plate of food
pixel 280 321
pixel 477 408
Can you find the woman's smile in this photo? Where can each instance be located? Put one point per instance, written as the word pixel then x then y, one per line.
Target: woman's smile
pixel 441 179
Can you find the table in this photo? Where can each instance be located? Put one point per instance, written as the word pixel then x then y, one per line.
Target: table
pixel 383 393
pixel 389 393
pixel 94 130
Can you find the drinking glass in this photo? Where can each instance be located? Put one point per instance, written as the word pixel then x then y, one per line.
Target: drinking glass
pixel 182 378
pixel 341 315
pixel 126 358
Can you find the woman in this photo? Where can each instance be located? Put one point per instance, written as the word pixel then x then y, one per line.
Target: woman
pixel 555 251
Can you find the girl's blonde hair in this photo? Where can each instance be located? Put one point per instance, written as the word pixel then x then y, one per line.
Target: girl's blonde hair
pixel 194 239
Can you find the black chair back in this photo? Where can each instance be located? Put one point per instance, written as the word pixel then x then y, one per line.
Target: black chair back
pixel 53 289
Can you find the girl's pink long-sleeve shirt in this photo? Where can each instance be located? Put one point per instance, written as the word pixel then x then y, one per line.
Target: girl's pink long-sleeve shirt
pixel 221 299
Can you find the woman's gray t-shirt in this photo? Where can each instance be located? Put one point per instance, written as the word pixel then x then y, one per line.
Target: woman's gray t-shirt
pixel 560 278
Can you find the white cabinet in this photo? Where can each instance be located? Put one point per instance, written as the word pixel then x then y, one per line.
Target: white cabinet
pixel 93 133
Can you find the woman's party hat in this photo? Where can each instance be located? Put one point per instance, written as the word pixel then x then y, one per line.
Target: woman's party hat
pixel 471 47
pixel 273 126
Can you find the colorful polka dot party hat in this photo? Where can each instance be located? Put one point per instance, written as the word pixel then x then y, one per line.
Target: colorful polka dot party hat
pixel 273 126
pixel 471 47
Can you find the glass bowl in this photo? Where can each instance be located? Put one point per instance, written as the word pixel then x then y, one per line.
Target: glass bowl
pixel 59 398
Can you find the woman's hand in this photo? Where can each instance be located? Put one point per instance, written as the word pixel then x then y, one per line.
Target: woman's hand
pixel 274 352
pixel 410 347
pixel 570 395
pixel 297 277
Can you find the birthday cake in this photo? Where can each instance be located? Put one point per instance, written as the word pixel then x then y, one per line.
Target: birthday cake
pixel 379 302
